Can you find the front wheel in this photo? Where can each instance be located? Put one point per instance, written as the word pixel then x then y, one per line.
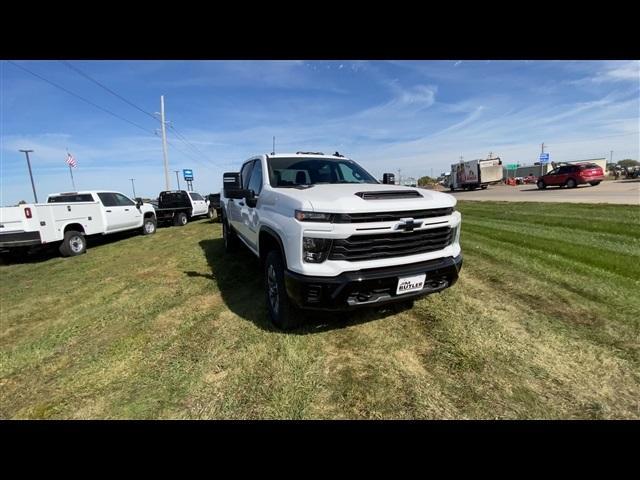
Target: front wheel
pixel 74 243
pixel 211 214
pixel 541 185
pixel 282 312
pixel 571 183
pixel 149 226
pixel 593 184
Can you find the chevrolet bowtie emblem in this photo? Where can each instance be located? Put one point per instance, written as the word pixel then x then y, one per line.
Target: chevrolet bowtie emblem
pixel 408 224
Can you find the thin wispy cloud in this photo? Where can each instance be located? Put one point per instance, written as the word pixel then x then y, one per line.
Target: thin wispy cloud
pixel 416 116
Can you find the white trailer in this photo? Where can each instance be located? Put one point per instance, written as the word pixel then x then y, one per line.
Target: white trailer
pixel 475 174
pixel 67 218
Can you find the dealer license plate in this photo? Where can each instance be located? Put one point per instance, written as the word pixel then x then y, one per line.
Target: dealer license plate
pixel 410 284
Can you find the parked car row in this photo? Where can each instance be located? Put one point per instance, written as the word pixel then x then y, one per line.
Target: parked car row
pixel 67 219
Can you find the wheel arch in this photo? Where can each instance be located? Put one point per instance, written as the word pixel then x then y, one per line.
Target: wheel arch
pixel 269 239
pixel 73 226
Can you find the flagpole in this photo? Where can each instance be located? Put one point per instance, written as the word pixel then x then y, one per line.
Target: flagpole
pixel 72 182
pixel 71 171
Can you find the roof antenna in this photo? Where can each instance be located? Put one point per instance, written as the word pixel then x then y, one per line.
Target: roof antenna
pixel 273 152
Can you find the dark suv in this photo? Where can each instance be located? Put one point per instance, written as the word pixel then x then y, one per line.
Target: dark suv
pixel 571 176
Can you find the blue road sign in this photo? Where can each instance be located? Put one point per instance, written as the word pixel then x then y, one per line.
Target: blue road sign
pixel 188 174
pixel 544 158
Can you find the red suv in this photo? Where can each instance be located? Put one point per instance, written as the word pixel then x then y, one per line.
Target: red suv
pixel 571 176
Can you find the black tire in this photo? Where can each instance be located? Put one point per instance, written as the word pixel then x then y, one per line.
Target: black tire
pixel 593 184
pixel 541 185
pixel 571 183
pixel 483 187
pixel 230 237
pixel 73 244
pixel 452 189
pixel 282 312
pixel 180 220
pixel 149 225
pixel 211 214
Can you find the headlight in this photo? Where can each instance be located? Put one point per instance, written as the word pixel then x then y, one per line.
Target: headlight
pixel 303 216
pixel 315 250
pixel 456 234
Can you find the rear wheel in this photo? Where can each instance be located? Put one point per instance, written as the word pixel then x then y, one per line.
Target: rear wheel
pixel 74 243
pixel 593 184
pixel 282 312
pixel 229 236
pixel 483 187
pixel 571 183
pixel 541 185
pixel 211 214
pixel 180 220
pixel 149 226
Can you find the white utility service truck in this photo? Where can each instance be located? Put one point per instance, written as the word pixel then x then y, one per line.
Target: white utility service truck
pixel 68 218
pixel 475 174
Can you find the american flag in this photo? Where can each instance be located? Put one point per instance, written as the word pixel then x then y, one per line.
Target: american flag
pixel 71 161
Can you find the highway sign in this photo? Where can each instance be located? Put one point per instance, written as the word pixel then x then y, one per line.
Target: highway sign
pixel 512 166
pixel 188 174
pixel 544 158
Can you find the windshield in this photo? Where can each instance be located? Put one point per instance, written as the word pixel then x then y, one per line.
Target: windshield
pixel 294 172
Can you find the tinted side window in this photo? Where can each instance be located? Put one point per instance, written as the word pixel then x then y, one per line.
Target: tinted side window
pixel 255 182
pixel 108 199
pixel 246 171
pixel 85 197
pixel 123 201
pixel 196 196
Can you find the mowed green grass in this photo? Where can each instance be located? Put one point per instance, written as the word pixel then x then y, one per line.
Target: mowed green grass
pixel 544 323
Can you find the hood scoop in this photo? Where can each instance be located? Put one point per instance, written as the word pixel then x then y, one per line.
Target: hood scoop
pixel 389 194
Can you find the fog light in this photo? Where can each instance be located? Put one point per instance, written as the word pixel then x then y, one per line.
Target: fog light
pixel 315 250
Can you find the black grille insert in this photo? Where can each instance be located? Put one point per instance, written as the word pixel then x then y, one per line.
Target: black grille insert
pixel 388 245
pixel 389 194
pixel 390 216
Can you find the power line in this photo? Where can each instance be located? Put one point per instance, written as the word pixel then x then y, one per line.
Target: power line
pixel 80 97
pixel 184 140
pixel 80 72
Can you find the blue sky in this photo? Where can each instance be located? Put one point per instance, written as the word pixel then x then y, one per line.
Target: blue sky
pixel 417 116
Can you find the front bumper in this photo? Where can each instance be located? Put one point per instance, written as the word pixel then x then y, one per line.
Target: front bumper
pixel 376 286
pixel 19 239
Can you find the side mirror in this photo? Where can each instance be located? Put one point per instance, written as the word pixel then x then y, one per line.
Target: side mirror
pixel 232 185
pixel 388 178
pixel 139 202
pixel 250 198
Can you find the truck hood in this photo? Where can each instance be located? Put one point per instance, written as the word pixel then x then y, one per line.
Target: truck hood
pixel 342 198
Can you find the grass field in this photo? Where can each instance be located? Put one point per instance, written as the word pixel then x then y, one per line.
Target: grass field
pixel 544 323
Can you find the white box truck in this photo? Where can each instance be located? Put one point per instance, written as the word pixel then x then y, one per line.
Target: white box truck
pixel 475 174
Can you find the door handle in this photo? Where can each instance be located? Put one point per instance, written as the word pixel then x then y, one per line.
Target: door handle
pixel 241 204
pixel 109 211
pixel 126 209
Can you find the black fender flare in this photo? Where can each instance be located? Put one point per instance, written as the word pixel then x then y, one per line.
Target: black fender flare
pixel 271 232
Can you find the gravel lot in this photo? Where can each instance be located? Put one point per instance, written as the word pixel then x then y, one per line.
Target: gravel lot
pixel 611 191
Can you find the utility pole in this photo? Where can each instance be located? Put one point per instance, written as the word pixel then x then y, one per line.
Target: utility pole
pixel 399 177
pixel 611 157
pixel 33 186
pixel 273 152
pixel 177 178
pixel 134 187
pixel 164 143
pixel 541 173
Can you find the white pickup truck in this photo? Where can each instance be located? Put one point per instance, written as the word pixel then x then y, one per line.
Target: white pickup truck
pixel 331 237
pixel 68 218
